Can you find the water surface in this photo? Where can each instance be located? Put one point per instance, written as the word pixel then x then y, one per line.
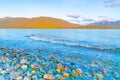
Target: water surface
pixel 96 45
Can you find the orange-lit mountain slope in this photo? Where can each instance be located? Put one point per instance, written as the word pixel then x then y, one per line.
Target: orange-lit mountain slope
pixel 38 22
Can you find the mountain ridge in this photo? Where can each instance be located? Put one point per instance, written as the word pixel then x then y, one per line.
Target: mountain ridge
pixel 106 23
pixel 44 23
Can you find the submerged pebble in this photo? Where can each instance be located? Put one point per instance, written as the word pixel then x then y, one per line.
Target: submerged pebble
pixel 33 72
pixel 48 77
pixel 60 67
pixel 26 78
pixel 19 78
pixel 66 75
pixel 24 67
pixel 79 71
pixel 100 76
pixel 23 61
pixel 35 66
pixel 18 65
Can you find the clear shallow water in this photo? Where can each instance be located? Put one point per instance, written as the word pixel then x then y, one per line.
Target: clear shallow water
pixel 85 42
pixel 89 44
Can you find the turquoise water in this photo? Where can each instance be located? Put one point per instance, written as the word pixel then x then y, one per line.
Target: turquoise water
pixel 88 45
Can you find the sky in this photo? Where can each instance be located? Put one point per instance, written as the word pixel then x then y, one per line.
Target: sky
pixel 79 11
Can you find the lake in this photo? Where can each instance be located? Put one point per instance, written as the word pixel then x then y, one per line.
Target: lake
pixel 95 52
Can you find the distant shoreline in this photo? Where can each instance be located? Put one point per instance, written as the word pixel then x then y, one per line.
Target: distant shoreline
pixel 64 28
pixel 45 23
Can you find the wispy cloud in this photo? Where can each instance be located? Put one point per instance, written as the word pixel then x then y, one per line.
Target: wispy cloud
pixel 105 18
pixel 76 21
pixel 73 16
pixel 112 3
pixel 88 20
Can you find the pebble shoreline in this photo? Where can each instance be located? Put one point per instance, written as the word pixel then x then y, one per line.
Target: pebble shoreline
pixel 16 64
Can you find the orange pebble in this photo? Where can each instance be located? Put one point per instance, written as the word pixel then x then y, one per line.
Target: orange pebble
pixel 61 67
pixel 79 71
pixel 48 77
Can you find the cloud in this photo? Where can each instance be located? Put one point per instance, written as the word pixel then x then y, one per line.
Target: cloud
pixel 76 21
pixel 112 3
pixel 105 18
pixel 74 16
pixel 88 20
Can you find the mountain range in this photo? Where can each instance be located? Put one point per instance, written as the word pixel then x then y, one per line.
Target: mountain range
pixel 106 23
pixel 45 23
